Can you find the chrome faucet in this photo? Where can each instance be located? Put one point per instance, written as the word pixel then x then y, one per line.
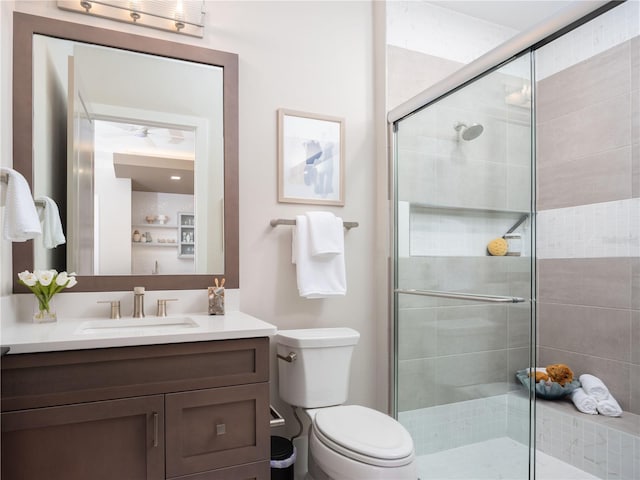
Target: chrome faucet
pixel 138 302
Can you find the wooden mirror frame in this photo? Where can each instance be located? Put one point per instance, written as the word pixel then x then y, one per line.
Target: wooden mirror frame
pixel 24 27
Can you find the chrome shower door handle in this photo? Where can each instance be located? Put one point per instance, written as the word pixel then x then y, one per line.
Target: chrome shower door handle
pixel 476 297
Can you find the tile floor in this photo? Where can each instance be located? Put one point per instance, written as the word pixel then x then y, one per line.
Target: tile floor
pixel 479 461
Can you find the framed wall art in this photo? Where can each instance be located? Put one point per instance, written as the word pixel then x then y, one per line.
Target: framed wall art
pixel 310 158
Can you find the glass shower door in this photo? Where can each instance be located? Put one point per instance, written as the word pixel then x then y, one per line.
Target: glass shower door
pixel 463 277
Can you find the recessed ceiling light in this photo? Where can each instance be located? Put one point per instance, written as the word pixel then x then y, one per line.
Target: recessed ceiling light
pixel 175 177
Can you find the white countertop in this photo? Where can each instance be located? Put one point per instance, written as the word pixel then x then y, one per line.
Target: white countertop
pixel 78 334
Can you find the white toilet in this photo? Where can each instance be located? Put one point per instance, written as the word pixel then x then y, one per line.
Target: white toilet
pixel 346 442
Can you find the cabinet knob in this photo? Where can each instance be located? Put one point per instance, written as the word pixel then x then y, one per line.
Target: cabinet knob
pixel 221 429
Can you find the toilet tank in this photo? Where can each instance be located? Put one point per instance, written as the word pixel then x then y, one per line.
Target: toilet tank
pixel 319 375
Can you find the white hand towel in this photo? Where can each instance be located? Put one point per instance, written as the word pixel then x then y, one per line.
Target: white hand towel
pixel 318 277
pixel 583 402
pixel 326 234
pixel 21 222
pixel 593 386
pixel 609 407
pixel 52 234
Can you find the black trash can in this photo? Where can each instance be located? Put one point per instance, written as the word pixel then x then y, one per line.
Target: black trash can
pixel 283 456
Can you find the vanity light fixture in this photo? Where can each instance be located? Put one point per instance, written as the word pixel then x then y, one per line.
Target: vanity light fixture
pixel 175 177
pixel 177 16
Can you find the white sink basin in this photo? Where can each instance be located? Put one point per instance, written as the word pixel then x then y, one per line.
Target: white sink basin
pixel 136 326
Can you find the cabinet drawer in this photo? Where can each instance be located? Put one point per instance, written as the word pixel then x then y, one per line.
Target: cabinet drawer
pixel 252 471
pixel 58 378
pixel 216 428
pixel 120 439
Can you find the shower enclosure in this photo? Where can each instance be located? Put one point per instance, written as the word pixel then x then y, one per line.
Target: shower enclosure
pixel 463 317
pixel 468 162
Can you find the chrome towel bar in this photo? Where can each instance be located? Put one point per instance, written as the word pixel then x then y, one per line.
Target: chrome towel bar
pixel 462 296
pixel 282 221
pixel 277 420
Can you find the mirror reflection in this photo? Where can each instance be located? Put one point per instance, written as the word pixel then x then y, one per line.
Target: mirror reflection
pixel 141 157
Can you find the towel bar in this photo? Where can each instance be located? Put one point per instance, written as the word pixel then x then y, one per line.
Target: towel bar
pixel 281 221
pixel 277 420
pixel 4 178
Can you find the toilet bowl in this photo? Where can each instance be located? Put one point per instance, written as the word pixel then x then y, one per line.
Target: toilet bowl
pixel 346 442
pixel 352 442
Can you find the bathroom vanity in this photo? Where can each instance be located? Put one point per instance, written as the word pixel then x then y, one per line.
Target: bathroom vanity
pixel 194 407
pixel 94 399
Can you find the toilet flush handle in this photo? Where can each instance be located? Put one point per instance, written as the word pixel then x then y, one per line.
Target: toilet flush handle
pixel 289 358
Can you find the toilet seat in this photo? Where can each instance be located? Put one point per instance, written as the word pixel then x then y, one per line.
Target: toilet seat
pixel 364 435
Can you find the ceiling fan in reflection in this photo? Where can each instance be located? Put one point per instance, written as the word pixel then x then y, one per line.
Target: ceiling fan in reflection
pixel 169 135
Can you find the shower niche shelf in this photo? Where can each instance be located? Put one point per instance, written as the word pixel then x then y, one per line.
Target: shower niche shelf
pixel 453 231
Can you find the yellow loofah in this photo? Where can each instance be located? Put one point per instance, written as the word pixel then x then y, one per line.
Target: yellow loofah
pixel 497 247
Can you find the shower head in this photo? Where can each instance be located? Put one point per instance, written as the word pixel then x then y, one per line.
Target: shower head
pixel 468 133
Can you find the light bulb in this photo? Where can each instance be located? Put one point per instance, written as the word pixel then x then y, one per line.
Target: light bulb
pixel 179 15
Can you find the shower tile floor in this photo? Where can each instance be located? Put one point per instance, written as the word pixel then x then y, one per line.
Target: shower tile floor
pixel 500 458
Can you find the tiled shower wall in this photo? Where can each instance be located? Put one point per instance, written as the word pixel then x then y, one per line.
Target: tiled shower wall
pixel 588 202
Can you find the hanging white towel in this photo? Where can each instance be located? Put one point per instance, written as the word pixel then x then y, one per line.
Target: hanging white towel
pixel 609 407
pixel 21 222
pixel 52 234
pixel 583 402
pixel 326 233
pixel 318 277
pixel 594 386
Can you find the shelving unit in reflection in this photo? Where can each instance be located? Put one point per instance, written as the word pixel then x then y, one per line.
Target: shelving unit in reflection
pixel 186 235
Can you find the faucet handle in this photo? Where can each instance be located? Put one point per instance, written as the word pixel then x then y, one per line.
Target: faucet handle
pixel 115 308
pixel 162 306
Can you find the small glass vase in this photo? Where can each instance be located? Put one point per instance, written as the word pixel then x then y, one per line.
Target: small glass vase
pixel 44 313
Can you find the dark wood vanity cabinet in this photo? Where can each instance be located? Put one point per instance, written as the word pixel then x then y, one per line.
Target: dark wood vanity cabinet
pixel 189 411
pixel 97 440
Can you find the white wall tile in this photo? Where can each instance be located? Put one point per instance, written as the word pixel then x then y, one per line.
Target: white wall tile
pixel 609 229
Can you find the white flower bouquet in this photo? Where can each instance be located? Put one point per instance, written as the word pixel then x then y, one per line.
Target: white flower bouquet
pixel 45 284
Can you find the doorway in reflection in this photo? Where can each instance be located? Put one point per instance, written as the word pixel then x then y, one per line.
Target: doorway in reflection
pixel 143 199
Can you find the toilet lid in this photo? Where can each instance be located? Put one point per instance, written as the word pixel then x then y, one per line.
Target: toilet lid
pixel 364 434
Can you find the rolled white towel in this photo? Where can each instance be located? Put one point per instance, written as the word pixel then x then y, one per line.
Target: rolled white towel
pixel 609 407
pixel 593 386
pixel 584 402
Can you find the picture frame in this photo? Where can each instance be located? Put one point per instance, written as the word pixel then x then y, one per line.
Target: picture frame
pixel 310 158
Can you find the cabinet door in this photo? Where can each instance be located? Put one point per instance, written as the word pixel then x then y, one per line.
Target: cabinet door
pixel 217 428
pixel 250 471
pixel 110 440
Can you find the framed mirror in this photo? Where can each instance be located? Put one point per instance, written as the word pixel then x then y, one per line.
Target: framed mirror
pixel 144 171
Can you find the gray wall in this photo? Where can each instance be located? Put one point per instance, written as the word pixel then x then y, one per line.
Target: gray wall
pixel 588 169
